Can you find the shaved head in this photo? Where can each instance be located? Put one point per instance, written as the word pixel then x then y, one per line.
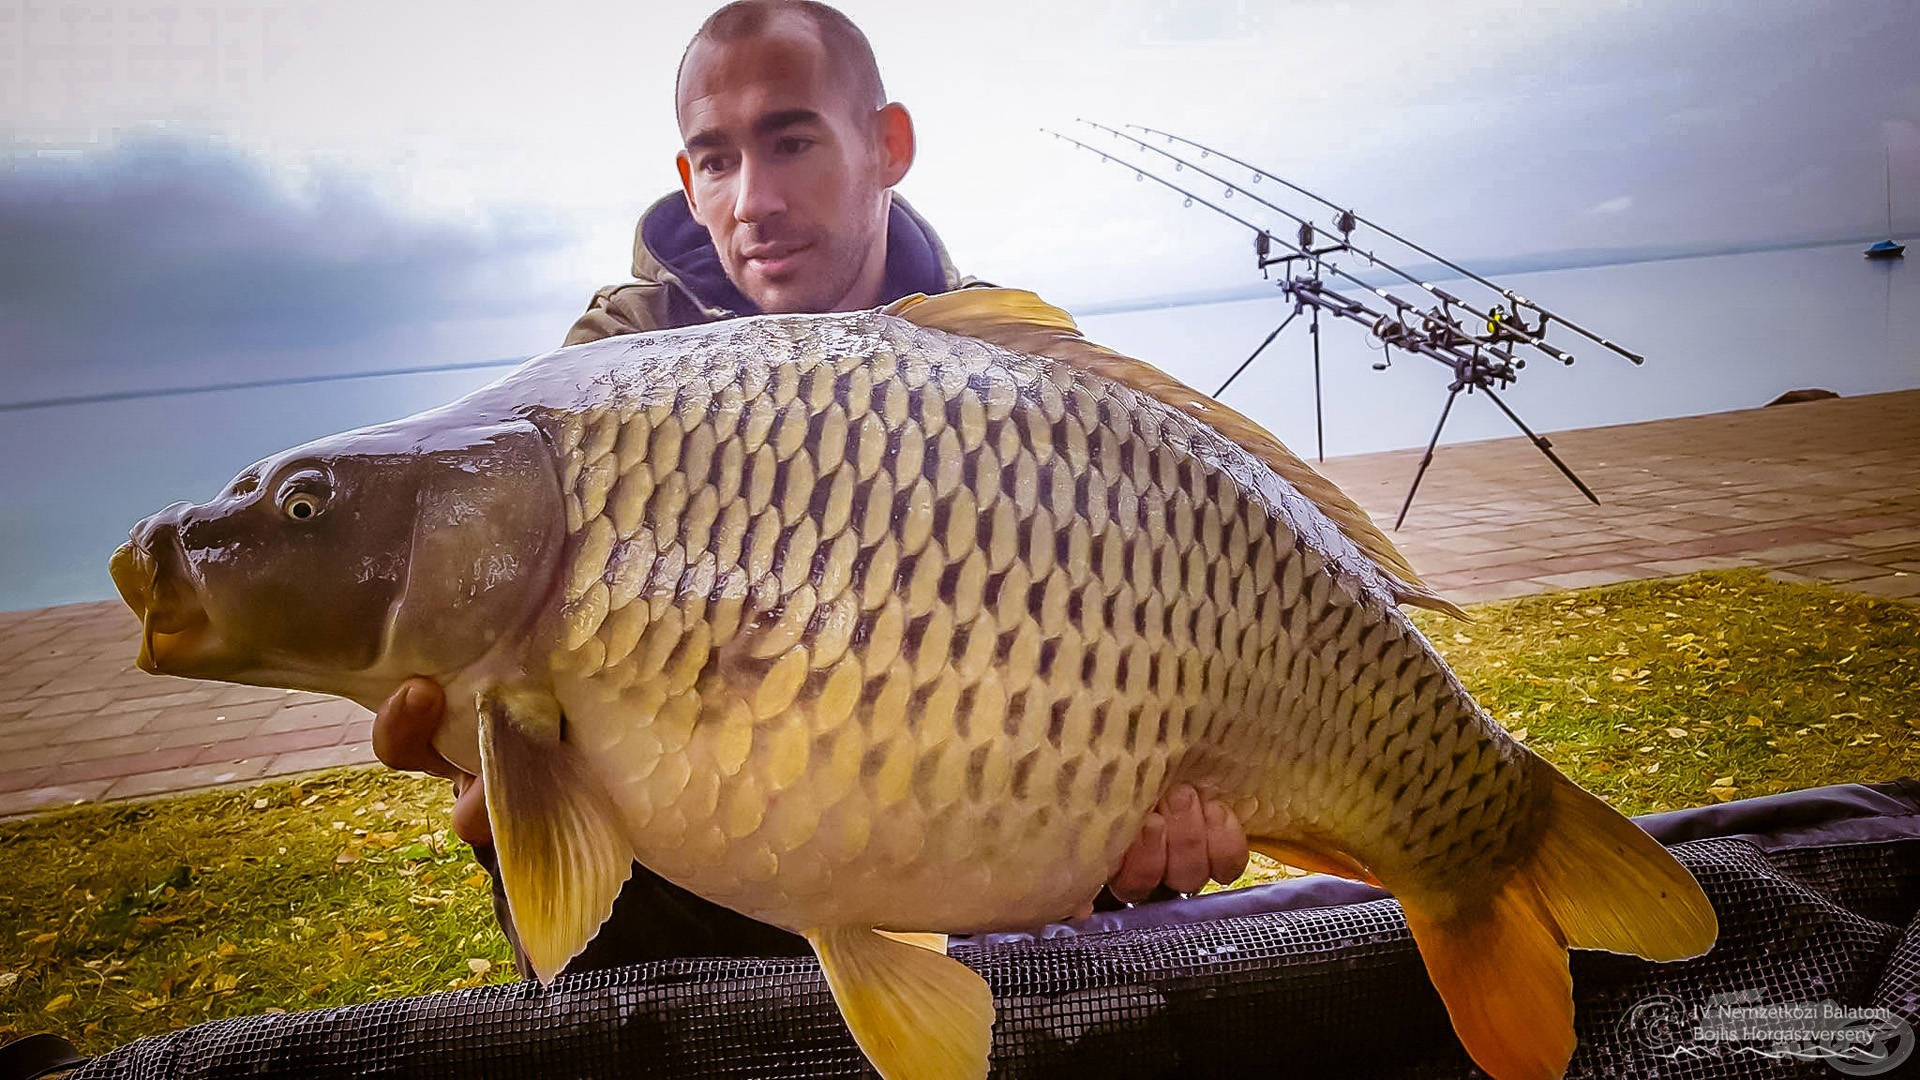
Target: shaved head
pixel 847 50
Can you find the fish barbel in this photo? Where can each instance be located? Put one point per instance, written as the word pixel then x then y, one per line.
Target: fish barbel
pixel 896 623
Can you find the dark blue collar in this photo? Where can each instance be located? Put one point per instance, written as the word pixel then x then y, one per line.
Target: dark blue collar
pixel 684 247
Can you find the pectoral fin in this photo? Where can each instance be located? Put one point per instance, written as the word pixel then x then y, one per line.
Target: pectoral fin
pixel 916 1013
pixel 562 852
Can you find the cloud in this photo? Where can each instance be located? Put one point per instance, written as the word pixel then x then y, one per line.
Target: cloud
pixel 168 258
pixel 1614 205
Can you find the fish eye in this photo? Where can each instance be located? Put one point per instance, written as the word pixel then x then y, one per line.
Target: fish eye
pixel 301 506
pixel 304 495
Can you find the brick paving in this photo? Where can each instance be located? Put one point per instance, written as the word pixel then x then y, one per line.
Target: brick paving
pixel 1825 491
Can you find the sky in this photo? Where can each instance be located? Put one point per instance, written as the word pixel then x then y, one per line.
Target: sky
pixel 192 193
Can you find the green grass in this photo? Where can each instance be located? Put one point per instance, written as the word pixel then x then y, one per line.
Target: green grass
pixel 123 920
pixel 119 921
pixel 1665 694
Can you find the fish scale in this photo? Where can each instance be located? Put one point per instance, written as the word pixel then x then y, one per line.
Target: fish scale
pixel 903 621
pixel 921 480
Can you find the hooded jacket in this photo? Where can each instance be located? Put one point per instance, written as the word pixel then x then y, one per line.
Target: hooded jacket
pixel 679 280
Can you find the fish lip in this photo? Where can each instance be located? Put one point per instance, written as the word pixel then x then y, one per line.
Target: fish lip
pixel 173 620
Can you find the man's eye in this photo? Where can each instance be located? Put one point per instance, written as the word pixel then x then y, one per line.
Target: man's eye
pixel 792 144
pixel 714 166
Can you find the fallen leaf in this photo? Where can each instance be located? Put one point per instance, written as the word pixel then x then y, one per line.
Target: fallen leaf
pixel 1678 732
pixel 259 804
pixel 58 1003
pixel 479 965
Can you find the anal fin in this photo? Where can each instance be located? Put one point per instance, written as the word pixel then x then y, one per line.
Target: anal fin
pixel 1312 857
pixel 562 851
pixel 930 942
pixel 917 1014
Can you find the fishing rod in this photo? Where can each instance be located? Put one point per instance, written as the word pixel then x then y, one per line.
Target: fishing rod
pixel 1264 239
pixel 1512 297
pixel 1478 361
pixel 1345 223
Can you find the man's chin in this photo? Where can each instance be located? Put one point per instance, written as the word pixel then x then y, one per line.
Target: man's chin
pixel 787 302
pixel 794 291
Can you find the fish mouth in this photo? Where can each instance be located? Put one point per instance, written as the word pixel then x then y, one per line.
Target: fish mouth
pixel 173 621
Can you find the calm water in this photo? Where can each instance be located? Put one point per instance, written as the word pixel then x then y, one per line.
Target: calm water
pixel 1726 332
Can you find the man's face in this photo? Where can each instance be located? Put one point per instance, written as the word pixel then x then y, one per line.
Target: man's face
pixel 786 171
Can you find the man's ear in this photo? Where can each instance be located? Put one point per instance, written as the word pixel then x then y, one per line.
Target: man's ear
pixel 895 143
pixel 686 179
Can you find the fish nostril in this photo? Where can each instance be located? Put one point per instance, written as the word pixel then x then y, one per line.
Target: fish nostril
pixel 159 529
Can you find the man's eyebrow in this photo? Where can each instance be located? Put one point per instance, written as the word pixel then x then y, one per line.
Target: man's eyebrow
pixel 710 139
pixel 769 124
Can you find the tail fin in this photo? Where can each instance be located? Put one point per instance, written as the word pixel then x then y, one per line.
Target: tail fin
pixel 1594 881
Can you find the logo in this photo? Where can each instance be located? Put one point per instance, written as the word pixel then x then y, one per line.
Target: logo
pixel 1852 1040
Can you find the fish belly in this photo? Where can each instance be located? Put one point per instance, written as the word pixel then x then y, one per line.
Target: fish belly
pixel 851 845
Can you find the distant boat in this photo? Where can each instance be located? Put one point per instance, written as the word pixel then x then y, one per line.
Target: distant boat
pixel 1887 249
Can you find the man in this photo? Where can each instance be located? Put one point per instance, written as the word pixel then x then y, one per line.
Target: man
pixel 786 205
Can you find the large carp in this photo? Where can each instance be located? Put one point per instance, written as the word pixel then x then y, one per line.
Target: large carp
pixel 902 621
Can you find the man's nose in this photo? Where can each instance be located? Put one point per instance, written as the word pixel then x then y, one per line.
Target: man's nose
pixel 759 196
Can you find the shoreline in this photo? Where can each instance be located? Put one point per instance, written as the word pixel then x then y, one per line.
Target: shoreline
pixel 1817 491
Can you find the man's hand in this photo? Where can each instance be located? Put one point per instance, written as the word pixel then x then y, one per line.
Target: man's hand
pixel 1186 840
pixel 403 733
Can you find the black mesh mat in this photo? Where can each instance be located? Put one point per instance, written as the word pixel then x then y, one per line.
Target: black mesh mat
pixel 1816 892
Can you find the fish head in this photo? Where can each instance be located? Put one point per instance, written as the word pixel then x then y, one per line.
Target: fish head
pixel 350 563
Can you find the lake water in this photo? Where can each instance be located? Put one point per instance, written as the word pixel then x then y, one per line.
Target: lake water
pixel 1719 333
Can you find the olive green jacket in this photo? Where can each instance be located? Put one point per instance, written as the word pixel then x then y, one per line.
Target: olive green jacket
pixel 678 281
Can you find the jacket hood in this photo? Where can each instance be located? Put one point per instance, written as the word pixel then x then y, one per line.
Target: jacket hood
pixel 671 248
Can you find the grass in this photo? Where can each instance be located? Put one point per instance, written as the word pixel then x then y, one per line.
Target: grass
pixel 124 920
pixel 118 921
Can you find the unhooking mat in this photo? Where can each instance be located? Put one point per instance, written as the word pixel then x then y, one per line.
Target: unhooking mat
pixel 1816 973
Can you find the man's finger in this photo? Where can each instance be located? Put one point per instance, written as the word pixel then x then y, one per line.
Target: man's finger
pixel 1144 864
pixel 470 811
pixel 404 727
pixel 1226 843
pixel 1186 840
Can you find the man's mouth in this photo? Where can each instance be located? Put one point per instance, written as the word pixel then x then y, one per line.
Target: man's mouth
pixel 773 260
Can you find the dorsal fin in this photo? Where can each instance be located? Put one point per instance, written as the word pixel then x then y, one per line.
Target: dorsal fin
pixel 1022 322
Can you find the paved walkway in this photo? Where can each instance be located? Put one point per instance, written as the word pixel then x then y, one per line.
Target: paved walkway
pixel 1821 491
